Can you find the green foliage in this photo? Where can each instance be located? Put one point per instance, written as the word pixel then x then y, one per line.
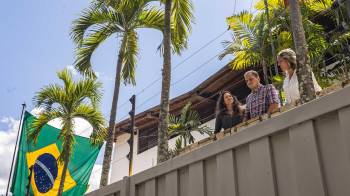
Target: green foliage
pixel 250 43
pixel 247 45
pixel 178 147
pixel 105 19
pixel 75 99
pixel 184 125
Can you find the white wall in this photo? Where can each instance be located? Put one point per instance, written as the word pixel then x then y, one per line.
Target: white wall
pixel 142 161
pixel 120 164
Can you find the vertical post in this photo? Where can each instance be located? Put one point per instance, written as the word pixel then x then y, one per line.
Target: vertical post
pixel 304 72
pixel 15 150
pixel 347 6
pixel 132 127
pixel 273 50
pixel 29 179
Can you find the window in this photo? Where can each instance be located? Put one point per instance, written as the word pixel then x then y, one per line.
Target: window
pixel 147 138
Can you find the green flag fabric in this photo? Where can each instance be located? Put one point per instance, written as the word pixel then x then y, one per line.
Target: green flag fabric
pixel 47 170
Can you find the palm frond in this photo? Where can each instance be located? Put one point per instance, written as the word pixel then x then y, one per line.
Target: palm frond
pixel 151 18
pixel 181 20
pixel 96 120
pixel 89 88
pixel 272 4
pixel 130 57
pixel 67 79
pixel 89 45
pixel 318 5
pixel 40 122
pixel 96 14
pixel 48 96
pixel 186 123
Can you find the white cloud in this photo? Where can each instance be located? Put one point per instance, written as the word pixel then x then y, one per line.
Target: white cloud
pixel 7 145
pixel 72 70
pixel 104 77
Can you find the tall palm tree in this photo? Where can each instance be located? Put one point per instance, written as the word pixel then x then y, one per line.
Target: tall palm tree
pixel 306 87
pixel 178 12
pixel 96 24
pixel 162 144
pixel 102 20
pixel 72 100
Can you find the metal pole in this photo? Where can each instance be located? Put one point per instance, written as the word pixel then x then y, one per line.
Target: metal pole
pixel 15 150
pixel 29 178
pixel 131 143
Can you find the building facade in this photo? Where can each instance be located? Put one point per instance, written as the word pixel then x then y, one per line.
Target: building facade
pixel 203 99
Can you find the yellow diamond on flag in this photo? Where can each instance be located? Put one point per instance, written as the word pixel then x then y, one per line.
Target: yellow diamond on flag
pixel 47 171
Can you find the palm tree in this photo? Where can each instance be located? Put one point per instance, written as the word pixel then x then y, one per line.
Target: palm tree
pixel 178 13
pixel 123 18
pixel 185 124
pixel 306 87
pixel 73 100
pixel 96 24
pixel 162 144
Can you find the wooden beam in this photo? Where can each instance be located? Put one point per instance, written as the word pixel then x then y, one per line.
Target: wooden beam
pixel 150 115
pixel 203 99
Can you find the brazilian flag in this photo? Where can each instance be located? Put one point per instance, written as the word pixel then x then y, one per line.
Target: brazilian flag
pixel 47 170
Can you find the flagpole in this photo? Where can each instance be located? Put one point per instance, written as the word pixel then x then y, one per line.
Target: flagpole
pixel 15 150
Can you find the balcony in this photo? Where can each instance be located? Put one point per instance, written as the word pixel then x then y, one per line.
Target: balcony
pixel 304 151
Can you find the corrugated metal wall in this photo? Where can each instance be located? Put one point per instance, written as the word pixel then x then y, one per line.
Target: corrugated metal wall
pixel 303 152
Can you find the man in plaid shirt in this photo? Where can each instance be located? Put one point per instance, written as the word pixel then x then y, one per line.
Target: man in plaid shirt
pixel 262 99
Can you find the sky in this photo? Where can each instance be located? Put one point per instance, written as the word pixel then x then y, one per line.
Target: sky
pixel 36 45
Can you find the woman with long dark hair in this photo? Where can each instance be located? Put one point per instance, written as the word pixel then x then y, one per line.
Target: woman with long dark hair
pixel 228 111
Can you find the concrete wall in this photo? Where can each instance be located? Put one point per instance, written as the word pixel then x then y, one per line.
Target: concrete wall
pixel 302 152
pixel 142 161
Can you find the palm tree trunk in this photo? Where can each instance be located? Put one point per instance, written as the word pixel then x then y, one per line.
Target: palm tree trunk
pixel 347 6
pixel 164 100
pixel 273 50
pixel 306 87
pixel 109 144
pixel 264 66
pixel 64 172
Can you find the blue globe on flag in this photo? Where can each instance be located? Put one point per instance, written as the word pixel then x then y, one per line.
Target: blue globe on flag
pixel 45 172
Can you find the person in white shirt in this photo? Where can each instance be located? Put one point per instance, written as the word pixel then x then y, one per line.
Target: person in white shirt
pixel 287 61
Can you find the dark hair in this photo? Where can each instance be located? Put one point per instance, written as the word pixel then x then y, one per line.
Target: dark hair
pixel 221 107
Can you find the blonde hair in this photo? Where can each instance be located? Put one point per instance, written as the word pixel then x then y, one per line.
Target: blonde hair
pixel 252 72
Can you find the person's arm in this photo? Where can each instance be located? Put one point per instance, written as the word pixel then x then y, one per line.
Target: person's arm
pixel 218 124
pixel 273 108
pixel 286 92
pixel 316 85
pixel 274 101
pixel 246 115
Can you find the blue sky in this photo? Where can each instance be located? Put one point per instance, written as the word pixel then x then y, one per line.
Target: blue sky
pixel 36 44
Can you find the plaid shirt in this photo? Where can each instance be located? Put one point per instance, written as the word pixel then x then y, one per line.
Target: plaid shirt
pixel 258 102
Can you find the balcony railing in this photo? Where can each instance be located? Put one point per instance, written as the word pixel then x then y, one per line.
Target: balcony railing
pixel 304 152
